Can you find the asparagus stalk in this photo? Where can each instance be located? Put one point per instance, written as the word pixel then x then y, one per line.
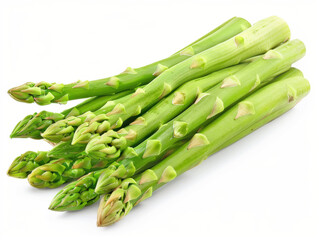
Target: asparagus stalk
pixel 143 156
pixel 32 126
pixel 264 67
pixel 45 93
pixel 245 24
pixel 57 172
pixel 23 165
pixel 291 73
pixel 205 110
pixel 60 171
pixel 80 193
pixel 109 178
pixel 261 37
pixel 158 115
pixel 63 130
pixel 251 113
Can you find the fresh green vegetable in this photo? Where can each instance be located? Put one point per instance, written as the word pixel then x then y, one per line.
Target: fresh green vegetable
pixel 59 172
pixel 32 126
pixel 205 109
pixel 255 40
pixel 45 93
pixel 111 177
pixel 80 193
pixel 23 165
pixel 253 112
pixel 111 144
pixel 144 127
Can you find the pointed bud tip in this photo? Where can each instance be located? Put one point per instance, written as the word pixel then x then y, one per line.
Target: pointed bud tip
pixel 14 134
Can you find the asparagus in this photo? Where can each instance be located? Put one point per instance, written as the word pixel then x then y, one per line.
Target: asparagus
pixel 23 165
pixel 32 126
pixel 158 115
pixel 145 155
pixel 205 110
pixel 45 93
pixel 60 172
pixel 251 113
pixel 111 177
pixel 57 172
pixel 261 37
pixel 80 193
pixel 63 130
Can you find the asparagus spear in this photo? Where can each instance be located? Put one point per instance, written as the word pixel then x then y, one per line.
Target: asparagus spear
pixel 145 155
pixel 80 193
pixel 45 93
pixel 245 24
pixel 62 171
pixel 56 172
pixel 206 109
pixel 23 165
pixel 261 37
pixel 67 200
pixel 63 130
pixel 251 113
pixel 59 171
pixel 32 126
pixel 158 115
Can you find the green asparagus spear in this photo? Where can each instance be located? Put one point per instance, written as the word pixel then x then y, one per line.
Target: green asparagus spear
pixel 261 37
pixel 251 113
pixel 80 193
pixel 249 77
pixel 63 130
pixel 110 179
pixel 23 165
pixel 159 114
pixel 245 24
pixel 205 109
pixel 33 125
pixel 99 145
pixel 45 93
pixel 57 172
pixel 61 171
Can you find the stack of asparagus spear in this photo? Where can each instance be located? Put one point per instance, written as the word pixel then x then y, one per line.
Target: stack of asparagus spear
pixel 142 128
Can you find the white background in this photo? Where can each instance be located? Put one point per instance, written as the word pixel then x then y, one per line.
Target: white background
pixel 265 186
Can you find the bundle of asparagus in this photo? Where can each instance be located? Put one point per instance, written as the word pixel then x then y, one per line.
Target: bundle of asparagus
pixel 142 128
